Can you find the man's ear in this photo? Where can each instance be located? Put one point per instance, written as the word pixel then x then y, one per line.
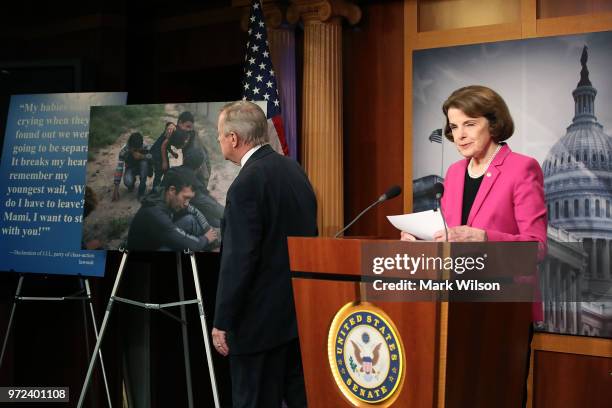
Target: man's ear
pixel 172 190
pixel 234 137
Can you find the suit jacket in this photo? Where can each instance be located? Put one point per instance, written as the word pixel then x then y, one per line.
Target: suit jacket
pixel 509 204
pixel 270 199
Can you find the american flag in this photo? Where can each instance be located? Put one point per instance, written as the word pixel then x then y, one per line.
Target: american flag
pixel 259 80
pixel 436 136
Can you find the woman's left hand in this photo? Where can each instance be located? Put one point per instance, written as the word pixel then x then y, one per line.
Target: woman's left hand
pixel 462 233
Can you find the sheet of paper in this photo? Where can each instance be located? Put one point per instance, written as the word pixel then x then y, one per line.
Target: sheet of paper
pixel 421 224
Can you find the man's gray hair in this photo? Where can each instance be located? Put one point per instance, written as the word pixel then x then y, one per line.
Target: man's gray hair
pixel 247 120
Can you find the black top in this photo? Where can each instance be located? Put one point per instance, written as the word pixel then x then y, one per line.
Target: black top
pixel 470 189
pixel 153 227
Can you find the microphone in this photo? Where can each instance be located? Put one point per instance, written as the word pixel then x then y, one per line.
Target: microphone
pixel 438 191
pixel 389 194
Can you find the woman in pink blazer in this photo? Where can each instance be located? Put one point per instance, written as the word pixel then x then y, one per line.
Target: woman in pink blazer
pixel 493 194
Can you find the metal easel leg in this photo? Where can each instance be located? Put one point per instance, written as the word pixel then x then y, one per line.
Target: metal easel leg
pixel 211 369
pixel 179 272
pixel 95 327
pixel 84 307
pixel 92 361
pixel 10 323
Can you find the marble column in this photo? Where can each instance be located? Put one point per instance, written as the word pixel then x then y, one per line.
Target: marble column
pixel 547 295
pixel 593 257
pixel 322 129
pixel 589 247
pixel 555 290
pixel 606 255
pixel 562 298
pixel 575 301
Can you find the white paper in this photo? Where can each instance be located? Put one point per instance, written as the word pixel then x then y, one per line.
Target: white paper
pixel 421 224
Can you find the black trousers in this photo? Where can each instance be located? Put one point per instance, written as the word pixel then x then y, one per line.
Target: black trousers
pixel 268 378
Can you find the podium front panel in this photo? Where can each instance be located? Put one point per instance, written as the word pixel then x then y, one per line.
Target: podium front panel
pixel 317 302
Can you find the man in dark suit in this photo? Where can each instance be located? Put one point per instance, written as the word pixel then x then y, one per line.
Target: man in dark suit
pixel 255 322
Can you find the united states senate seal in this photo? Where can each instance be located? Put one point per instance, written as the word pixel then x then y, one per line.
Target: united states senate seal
pixel 366 355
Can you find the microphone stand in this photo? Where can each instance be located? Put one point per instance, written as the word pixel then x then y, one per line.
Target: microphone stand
pixel 389 194
pixel 439 207
pixel 357 217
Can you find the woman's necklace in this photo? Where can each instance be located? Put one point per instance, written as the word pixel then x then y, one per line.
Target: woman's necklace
pixel 474 175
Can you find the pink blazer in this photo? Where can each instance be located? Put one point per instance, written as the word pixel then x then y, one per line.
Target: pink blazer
pixel 509 204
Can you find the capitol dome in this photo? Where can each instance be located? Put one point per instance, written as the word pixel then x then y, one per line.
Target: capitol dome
pixel 578 170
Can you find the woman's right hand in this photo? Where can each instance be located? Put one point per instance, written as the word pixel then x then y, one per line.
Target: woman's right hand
pixel 407 237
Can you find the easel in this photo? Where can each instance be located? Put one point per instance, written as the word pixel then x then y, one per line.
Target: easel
pixel 83 294
pixel 156 306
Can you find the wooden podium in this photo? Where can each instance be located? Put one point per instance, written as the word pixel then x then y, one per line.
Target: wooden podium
pixel 456 354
